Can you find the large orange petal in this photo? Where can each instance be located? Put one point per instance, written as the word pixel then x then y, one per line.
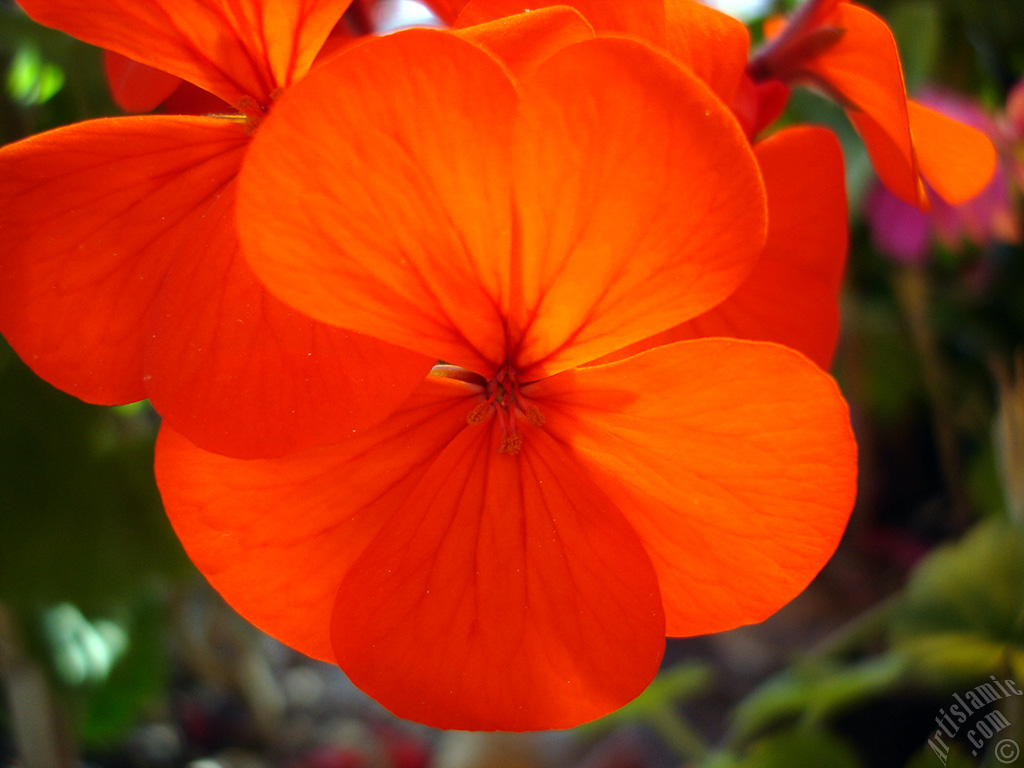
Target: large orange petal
pixel 734 461
pixel 956 160
pixel 526 40
pixel 276 537
pixel 792 296
pixel 506 593
pixel 240 373
pixel 711 43
pixel 233 48
pixel 396 220
pixel 639 199
pixel 91 217
pixel 862 70
pixel 644 19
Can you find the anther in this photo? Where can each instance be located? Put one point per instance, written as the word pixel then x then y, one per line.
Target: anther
pixel 511 442
pixel 479 413
pixel 253 112
pixel 534 416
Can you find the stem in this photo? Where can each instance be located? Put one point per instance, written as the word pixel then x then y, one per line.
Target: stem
pixel 912 291
pixel 678 734
pixel 856 632
pixel 41 735
pixel 1008 434
pixel 851 636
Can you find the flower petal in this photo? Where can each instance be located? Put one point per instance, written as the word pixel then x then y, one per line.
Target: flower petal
pixel 233 48
pixel 861 69
pixel 711 43
pixel 373 229
pixel 792 296
pixel 734 462
pixel 396 222
pixel 137 87
pixel 956 160
pixel 506 593
pixel 644 19
pixel 525 40
pixel 275 537
pixel 240 373
pixel 898 230
pixel 639 200
pixel 91 217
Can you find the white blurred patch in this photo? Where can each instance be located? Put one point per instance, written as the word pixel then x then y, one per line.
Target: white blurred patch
pixel 744 10
pixel 393 15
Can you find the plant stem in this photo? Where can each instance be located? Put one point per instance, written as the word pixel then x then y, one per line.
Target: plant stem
pixel 41 734
pixel 913 293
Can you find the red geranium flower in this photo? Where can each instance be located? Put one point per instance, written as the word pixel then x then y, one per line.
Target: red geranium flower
pixel 849 53
pixel 120 262
pixel 137 87
pixel 837 46
pixel 509 549
pixel 792 295
pixel 905 233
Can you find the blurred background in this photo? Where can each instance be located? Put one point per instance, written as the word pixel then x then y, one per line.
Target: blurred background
pixel 114 653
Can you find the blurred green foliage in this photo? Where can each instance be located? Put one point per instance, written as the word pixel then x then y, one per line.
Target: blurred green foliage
pixel 961 616
pixel 80 518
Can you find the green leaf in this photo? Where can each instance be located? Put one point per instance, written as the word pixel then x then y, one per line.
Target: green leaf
pixel 917 28
pixel 961 616
pixel 812 692
pixel 657 708
pixel 671 687
pixel 30 80
pixel 800 748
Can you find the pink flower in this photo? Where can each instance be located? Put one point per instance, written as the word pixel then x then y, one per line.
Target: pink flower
pixel 906 234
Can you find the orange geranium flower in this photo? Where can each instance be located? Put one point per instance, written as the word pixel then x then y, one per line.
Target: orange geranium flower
pixel 136 87
pixel 849 53
pixel 120 261
pixel 792 296
pixel 509 549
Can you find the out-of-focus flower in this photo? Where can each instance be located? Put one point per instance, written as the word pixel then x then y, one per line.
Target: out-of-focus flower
pixel 907 234
pixel 510 548
pixel 1013 126
pixel 118 249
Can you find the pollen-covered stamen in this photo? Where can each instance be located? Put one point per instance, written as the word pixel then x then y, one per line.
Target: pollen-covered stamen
pixel 508 403
pixel 254 112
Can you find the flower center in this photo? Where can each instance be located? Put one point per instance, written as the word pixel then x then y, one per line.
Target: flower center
pixel 506 399
pixel 253 112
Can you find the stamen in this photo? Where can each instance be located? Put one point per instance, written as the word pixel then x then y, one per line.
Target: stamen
pixel 508 403
pixel 511 442
pixel 534 416
pixel 479 413
pixel 253 112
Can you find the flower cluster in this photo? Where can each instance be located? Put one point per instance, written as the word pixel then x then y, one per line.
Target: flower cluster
pixel 487 356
